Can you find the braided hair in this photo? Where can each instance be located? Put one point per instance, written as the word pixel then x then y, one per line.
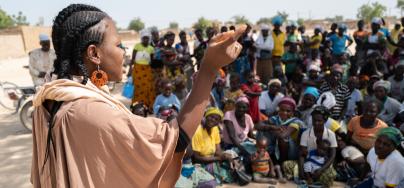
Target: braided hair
pixel 74 29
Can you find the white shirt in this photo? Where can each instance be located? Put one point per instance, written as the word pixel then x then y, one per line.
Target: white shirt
pixel 390 109
pixel 351 153
pixel 267 104
pixel 389 171
pixel 267 44
pixel 40 61
pixel 397 88
pixel 355 97
pixel 308 139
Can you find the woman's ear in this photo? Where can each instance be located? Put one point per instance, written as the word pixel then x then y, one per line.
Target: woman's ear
pixel 93 54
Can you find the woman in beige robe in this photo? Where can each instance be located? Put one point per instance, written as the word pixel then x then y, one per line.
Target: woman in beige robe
pixel 93 140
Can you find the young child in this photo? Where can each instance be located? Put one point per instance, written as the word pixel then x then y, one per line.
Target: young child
pixel 232 93
pixel 316 159
pixel 166 100
pixel 352 157
pixel 138 108
pixel 262 165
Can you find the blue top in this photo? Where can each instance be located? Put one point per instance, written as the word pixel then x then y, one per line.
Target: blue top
pixel 339 43
pixel 162 100
pixel 385 31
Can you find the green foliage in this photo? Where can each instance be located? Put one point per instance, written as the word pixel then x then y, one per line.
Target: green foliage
pixel 336 19
pixel 300 21
pixel 173 25
pixel 20 19
pixel 264 20
pixel 136 24
pixel 367 12
pixel 283 14
pixel 5 20
pixel 240 19
pixel 202 23
pixel 400 5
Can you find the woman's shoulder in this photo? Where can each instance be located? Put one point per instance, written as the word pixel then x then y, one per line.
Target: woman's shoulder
pixel 380 123
pixel 88 109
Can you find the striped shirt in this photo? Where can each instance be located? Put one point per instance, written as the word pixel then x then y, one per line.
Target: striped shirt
pixel 341 94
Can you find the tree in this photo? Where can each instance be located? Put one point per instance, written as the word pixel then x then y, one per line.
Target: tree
pixel 367 12
pixel 41 21
pixel 300 21
pixel 283 14
pixel 240 19
pixel 202 23
pixel 173 25
pixel 336 19
pixel 136 24
pixel 400 5
pixel 5 20
pixel 20 19
pixel 264 20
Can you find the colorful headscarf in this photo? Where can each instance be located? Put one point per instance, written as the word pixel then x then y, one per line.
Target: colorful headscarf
pixel 273 81
pixel 312 91
pixel 314 67
pixel 392 133
pixel 288 101
pixel 338 68
pixel 213 110
pixel 243 99
pixel 277 20
pixel 382 83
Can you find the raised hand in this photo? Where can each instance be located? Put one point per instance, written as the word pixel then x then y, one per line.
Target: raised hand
pixel 223 49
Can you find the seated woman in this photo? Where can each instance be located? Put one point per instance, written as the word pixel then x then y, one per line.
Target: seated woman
pixel 282 131
pixel 238 126
pixel 386 163
pixel 310 96
pixel 362 129
pixel 269 99
pixel 391 107
pixel 308 143
pixel 206 144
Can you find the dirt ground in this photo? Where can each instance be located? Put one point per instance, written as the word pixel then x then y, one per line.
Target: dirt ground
pixel 16 142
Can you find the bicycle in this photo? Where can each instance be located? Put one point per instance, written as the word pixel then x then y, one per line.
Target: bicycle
pixel 18 99
pixel 9 95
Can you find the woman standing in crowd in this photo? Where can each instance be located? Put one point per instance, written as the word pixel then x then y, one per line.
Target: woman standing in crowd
pixel 142 75
pixel 264 45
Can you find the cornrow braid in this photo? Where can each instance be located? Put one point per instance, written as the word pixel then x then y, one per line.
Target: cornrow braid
pixel 73 32
pixel 74 29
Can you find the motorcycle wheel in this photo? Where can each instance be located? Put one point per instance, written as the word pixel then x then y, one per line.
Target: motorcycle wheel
pixel 26 114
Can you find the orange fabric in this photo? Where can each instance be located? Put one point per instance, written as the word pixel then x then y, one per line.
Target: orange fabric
pixel 364 137
pixel 260 163
pixel 143 81
pixel 99 143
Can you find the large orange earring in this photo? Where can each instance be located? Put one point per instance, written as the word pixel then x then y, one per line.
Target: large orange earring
pixel 99 77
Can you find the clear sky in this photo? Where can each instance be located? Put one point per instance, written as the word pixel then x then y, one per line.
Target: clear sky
pixel 160 12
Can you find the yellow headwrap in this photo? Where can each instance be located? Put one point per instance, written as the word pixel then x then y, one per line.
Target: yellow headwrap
pixel 214 110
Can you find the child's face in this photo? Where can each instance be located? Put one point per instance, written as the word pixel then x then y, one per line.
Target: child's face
pixel 168 88
pixel 262 145
pixel 322 149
